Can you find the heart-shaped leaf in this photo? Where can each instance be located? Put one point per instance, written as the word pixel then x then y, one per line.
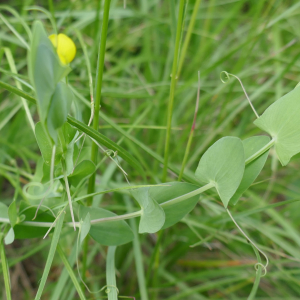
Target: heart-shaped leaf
pixel 175 212
pixel 223 165
pixel 81 171
pixel 153 216
pixel 252 170
pixel 112 233
pixel 281 120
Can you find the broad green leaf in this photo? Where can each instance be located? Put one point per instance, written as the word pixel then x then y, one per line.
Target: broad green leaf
pixel 3 211
pixel 27 232
pixel 10 237
pixel 252 170
pixel 45 69
pixel 174 213
pixel 45 145
pixel 59 108
pixel 107 233
pixel 223 165
pixel 153 216
pixel 12 213
pixel 85 227
pixel 281 120
pixel 81 171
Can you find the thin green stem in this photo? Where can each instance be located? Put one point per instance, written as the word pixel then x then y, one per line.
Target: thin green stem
pixel 188 195
pixel 51 8
pixel 261 151
pixel 68 194
pixel 5 270
pixel 118 218
pixel 101 55
pixel 172 88
pixel 121 217
pixel 188 37
pixel 191 135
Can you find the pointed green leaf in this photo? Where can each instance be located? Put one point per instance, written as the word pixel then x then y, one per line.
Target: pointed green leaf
pixel 81 171
pixel 59 108
pixel 45 145
pixel 252 170
pixel 153 216
pixel 223 165
pixel 45 68
pixel 175 212
pixel 112 233
pixel 281 120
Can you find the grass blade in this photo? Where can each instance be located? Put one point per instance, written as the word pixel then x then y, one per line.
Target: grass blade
pixel 172 88
pixel 50 257
pixel 71 272
pixel 5 269
pixel 112 290
pixel 101 55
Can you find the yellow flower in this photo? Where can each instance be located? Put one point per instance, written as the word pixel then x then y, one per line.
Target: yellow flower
pixel 65 47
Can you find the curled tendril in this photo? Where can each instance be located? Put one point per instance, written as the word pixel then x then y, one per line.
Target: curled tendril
pixel 35 196
pixel 253 244
pixel 263 267
pixel 107 291
pixel 111 153
pixel 227 78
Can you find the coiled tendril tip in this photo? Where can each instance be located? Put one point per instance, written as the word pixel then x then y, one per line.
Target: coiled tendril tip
pixel 227 76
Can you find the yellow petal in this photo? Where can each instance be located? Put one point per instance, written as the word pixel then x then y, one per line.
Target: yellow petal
pixel 65 47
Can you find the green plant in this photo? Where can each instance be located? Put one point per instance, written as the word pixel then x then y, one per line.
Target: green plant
pixel 229 167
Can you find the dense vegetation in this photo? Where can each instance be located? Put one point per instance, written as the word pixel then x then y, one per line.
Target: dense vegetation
pixel 203 255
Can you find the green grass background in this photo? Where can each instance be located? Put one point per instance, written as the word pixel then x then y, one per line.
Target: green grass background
pixel 256 40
